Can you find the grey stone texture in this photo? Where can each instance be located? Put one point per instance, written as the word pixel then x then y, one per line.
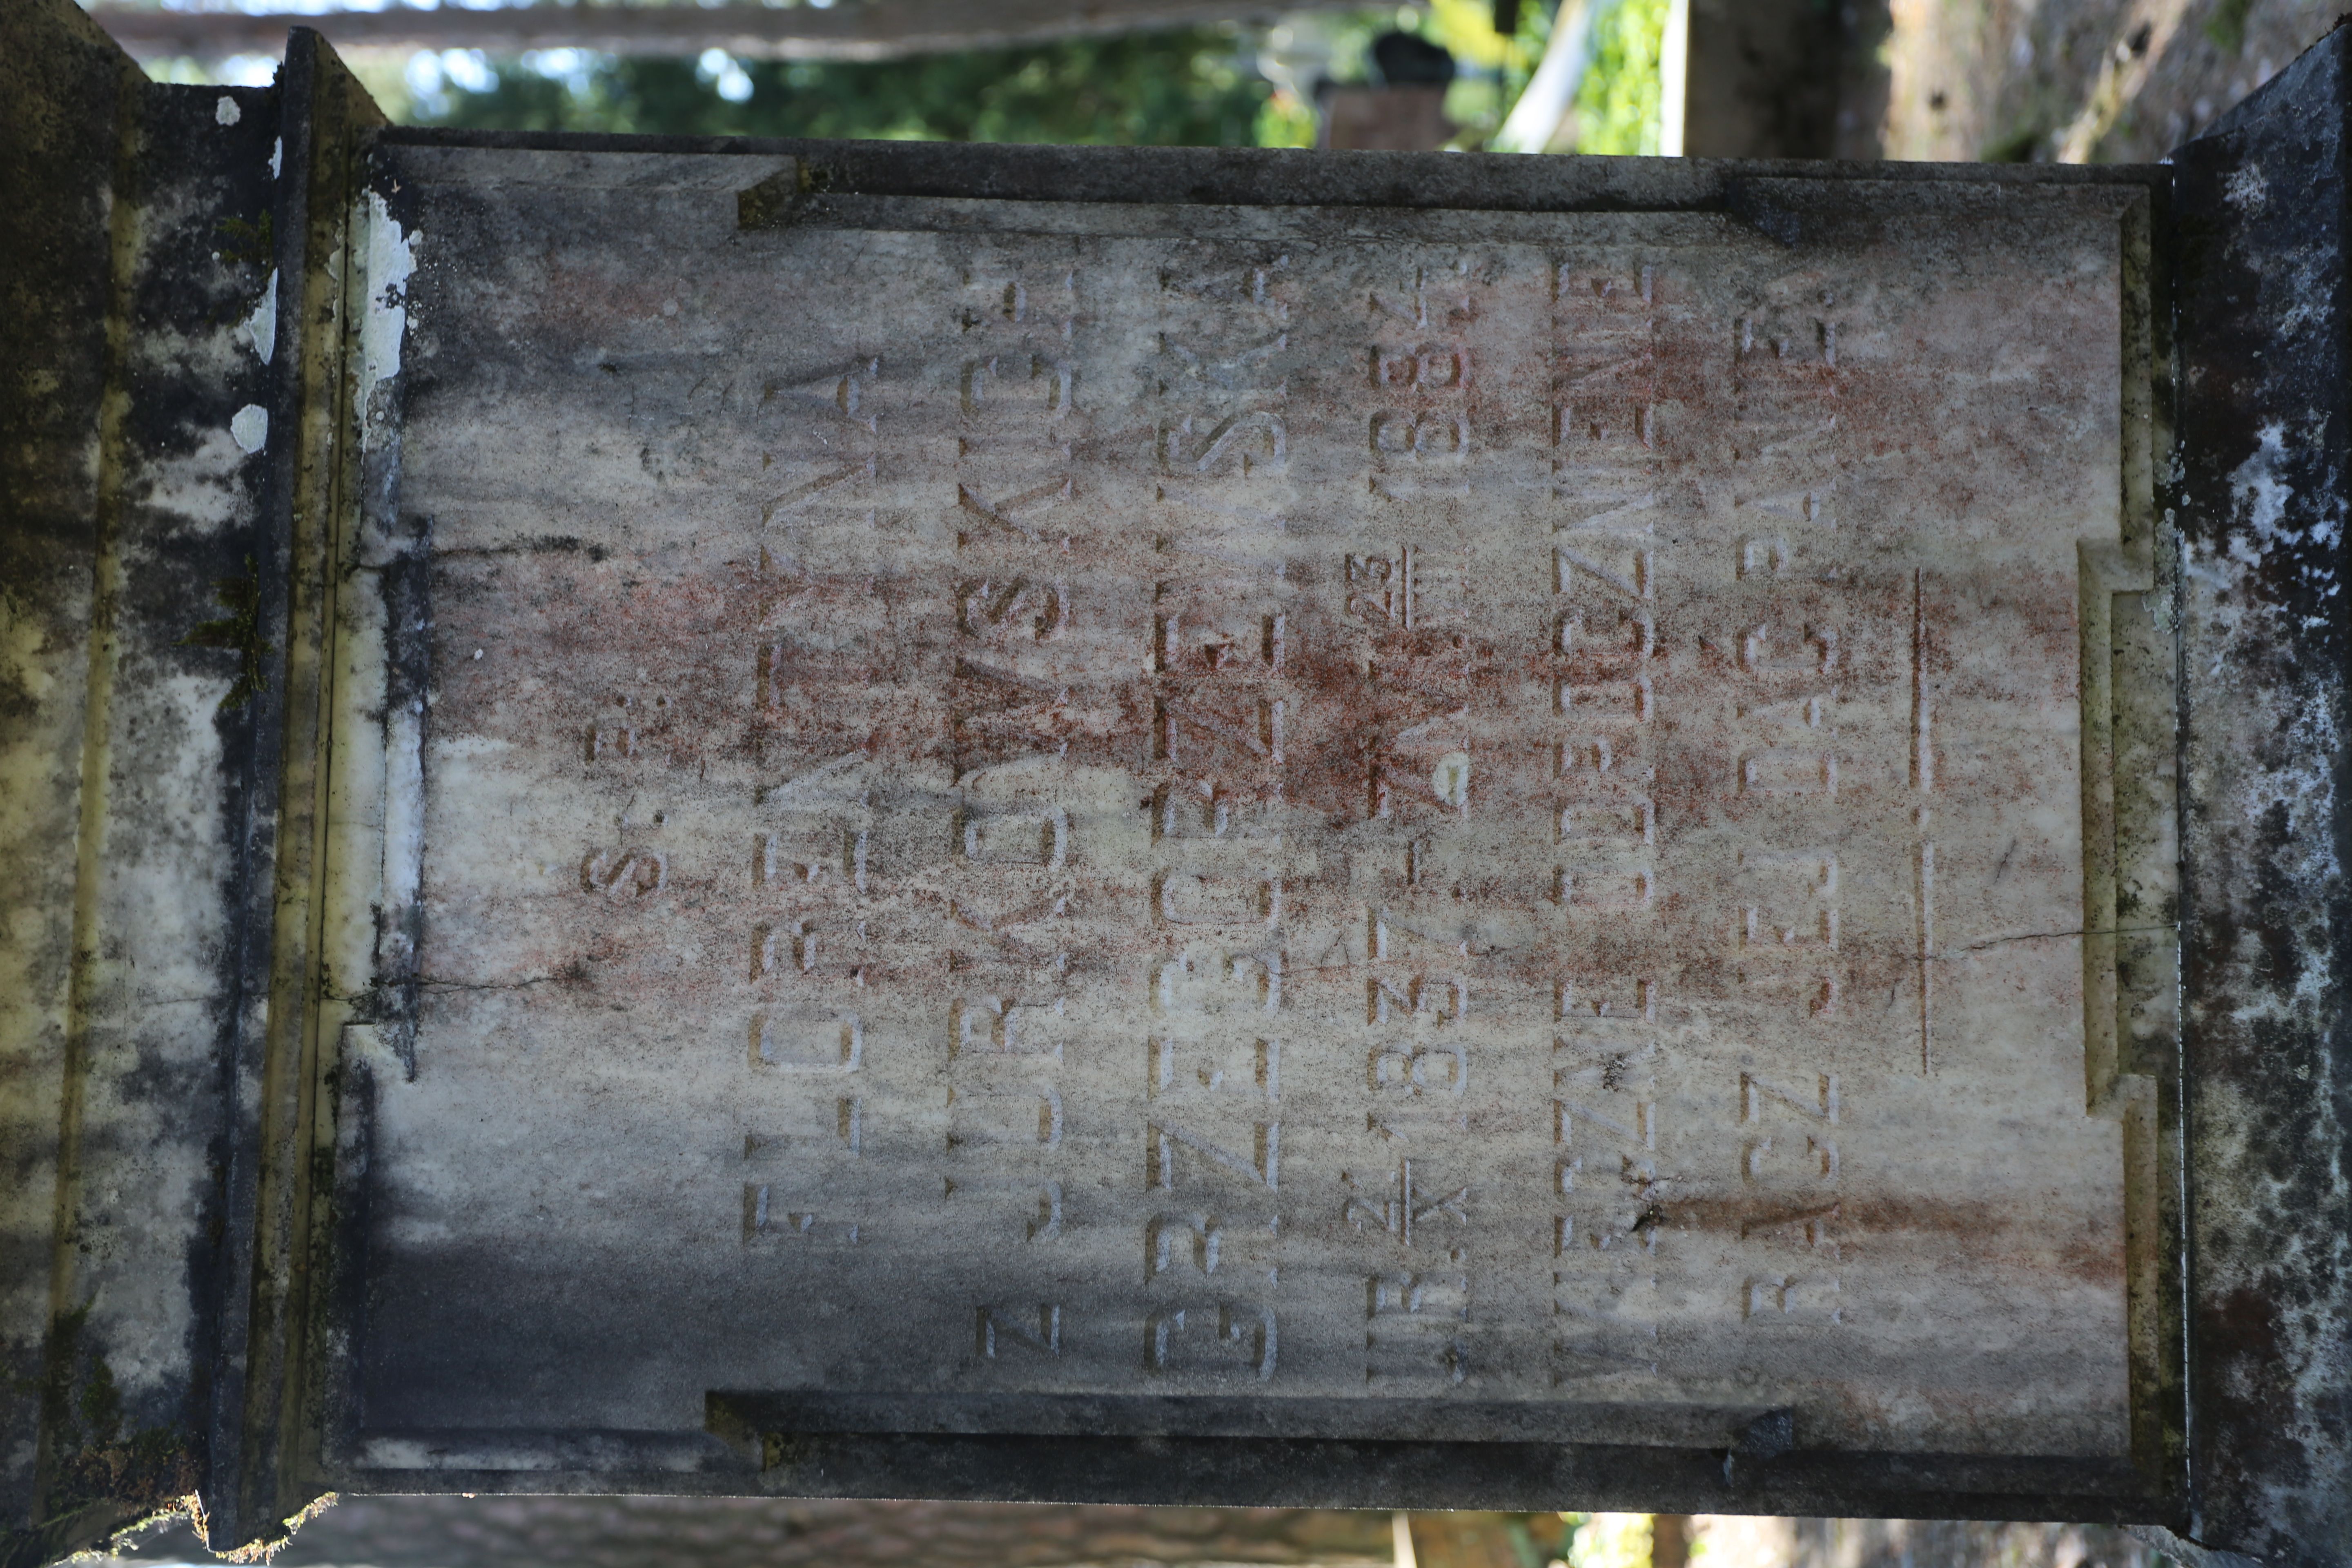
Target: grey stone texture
pixel 2263 442
pixel 1202 827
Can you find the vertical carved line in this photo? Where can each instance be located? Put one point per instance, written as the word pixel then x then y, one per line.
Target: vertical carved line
pixel 1923 780
pixel 1927 955
pixel 1922 762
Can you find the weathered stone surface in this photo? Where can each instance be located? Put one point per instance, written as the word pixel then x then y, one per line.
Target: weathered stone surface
pixel 136 227
pixel 148 663
pixel 2265 426
pixel 1191 826
pixel 1045 819
pixel 65 86
pixel 167 787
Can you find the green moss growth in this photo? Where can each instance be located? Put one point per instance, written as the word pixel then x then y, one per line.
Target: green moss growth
pixel 239 631
pixel 2227 27
pixel 1186 86
pixel 100 1479
pixel 243 242
pixel 1617 103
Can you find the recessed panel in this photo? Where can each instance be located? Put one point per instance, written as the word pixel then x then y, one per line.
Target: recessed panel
pixel 1148 820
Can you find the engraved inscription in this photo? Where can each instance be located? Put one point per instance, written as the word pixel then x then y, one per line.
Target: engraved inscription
pixel 1227 812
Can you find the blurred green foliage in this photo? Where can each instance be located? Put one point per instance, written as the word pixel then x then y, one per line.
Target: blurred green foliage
pixel 1495 68
pixel 2226 25
pixel 1209 86
pixel 1617 103
pixel 1195 88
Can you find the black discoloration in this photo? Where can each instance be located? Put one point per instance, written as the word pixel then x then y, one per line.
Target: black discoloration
pixel 188 599
pixel 136 261
pixel 2264 295
pixel 2261 238
pixel 63 86
pixel 266 1338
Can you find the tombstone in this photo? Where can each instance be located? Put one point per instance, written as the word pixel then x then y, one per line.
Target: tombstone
pixel 1190 827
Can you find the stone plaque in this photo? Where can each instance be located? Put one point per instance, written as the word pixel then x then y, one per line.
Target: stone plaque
pixel 1165 826
pixel 1051 819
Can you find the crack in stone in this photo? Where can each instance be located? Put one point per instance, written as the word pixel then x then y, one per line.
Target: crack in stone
pixel 2052 936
